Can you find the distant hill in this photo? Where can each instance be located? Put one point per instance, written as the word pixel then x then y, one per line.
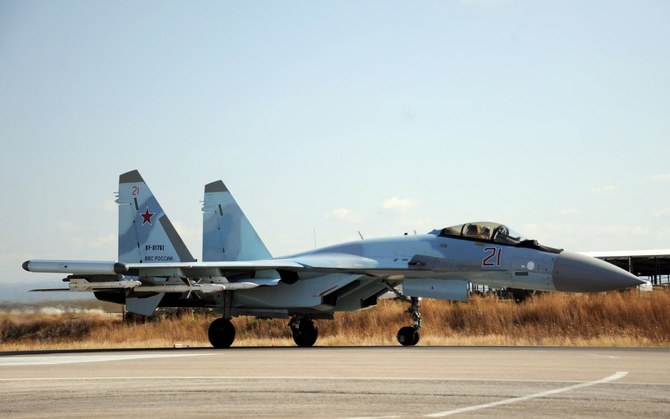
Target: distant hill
pixel 19 291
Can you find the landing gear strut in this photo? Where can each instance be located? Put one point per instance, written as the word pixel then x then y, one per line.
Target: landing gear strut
pixel 221 333
pixel 409 335
pixel 304 331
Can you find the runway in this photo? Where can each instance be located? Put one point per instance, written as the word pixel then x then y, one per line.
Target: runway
pixel 331 382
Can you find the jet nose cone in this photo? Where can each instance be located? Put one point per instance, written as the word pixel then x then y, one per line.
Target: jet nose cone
pixel 578 273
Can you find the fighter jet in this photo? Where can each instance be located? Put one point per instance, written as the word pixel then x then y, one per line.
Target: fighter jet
pixel 238 277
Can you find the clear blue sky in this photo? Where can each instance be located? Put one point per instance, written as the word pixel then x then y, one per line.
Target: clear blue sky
pixel 332 117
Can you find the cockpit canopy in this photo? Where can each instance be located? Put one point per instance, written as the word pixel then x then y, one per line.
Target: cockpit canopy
pixel 485 231
pixel 491 232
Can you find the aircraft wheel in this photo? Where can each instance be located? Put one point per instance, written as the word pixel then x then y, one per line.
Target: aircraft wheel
pixel 304 332
pixel 221 333
pixel 408 336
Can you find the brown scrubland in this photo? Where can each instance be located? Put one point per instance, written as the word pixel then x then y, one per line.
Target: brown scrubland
pixel 628 318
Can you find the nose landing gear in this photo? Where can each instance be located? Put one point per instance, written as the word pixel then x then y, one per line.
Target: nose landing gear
pixel 409 335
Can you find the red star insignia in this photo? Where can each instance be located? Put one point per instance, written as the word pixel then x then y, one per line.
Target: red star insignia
pixel 146 217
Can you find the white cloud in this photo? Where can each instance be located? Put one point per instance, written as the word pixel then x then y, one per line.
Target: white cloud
pixel 571 211
pixel 68 227
pixel 290 243
pixel 661 178
pixel 625 230
pixel 14 258
pixel 550 231
pixel 188 234
pixel 110 206
pixel 103 241
pixel 604 189
pixel 398 205
pixel 662 213
pixel 344 214
pixel 420 225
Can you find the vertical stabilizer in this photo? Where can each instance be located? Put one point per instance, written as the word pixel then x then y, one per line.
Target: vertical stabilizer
pixel 146 234
pixel 227 234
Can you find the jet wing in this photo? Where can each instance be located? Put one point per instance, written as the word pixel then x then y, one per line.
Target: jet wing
pixel 320 262
pixel 317 263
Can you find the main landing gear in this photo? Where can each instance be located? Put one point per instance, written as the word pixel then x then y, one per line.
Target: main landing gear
pixel 304 331
pixel 409 335
pixel 221 332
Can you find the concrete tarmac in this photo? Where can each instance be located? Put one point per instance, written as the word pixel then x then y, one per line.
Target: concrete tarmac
pixel 339 382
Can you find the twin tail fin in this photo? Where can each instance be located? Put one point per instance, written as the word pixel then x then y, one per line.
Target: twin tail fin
pixel 227 234
pixel 146 234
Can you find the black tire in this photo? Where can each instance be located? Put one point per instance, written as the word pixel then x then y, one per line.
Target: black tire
pixel 417 337
pixel 408 336
pixel 305 334
pixel 221 333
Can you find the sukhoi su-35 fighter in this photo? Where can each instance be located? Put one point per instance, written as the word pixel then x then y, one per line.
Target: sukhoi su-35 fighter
pixel 238 276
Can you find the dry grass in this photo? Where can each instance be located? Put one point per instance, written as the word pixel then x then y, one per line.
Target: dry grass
pixel 614 319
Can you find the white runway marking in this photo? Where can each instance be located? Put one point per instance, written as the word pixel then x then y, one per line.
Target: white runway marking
pixel 77 359
pixel 604 356
pixel 612 377
pixel 273 377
